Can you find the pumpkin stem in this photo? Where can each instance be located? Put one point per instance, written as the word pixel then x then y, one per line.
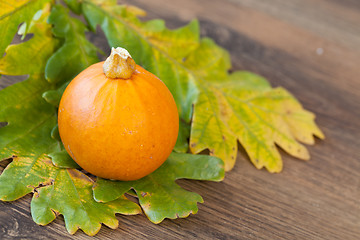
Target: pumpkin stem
pixel 119 64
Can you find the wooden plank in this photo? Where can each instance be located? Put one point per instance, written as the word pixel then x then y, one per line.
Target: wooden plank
pixel 337 21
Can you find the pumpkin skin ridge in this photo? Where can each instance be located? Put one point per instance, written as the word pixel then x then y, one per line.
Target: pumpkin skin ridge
pixel 136 84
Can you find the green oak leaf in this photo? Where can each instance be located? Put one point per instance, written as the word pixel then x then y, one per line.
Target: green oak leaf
pixel 62 159
pixel 12 14
pixel 74 5
pixel 71 195
pixel 76 54
pixel 54 96
pixel 159 196
pixel 182 143
pixel 247 109
pixel 30 118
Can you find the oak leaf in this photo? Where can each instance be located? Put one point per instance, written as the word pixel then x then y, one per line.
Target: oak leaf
pixel 70 194
pixel 159 196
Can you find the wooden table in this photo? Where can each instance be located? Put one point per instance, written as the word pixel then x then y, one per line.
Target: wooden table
pixel 310 47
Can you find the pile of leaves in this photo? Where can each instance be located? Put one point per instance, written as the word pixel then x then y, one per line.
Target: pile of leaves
pixel 217 109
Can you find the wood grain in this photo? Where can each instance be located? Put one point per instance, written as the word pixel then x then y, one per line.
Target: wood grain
pixel 310 47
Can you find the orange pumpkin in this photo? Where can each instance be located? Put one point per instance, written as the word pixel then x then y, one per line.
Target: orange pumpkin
pixel 118 121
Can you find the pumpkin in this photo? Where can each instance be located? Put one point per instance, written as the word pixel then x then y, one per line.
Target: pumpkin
pixel 117 120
